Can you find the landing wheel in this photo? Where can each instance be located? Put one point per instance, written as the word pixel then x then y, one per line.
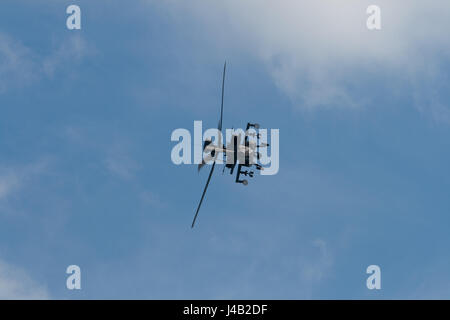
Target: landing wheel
pixel 244 182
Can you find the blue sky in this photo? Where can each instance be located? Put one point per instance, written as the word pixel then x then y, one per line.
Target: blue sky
pixel 85 170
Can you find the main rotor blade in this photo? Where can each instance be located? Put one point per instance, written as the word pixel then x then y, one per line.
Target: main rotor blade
pixel 223 91
pixel 203 195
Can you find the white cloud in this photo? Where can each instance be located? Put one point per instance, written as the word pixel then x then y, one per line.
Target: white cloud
pixel 17 284
pixel 21 66
pixel 72 50
pixel 314 270
pixel 120 163
pixel 13 178
pixel 9 181
pixel 121 166
pixel 317 51
pixel 16 63
pixel 152 199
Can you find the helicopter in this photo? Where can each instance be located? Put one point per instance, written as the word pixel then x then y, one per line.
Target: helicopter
pixel 243 155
